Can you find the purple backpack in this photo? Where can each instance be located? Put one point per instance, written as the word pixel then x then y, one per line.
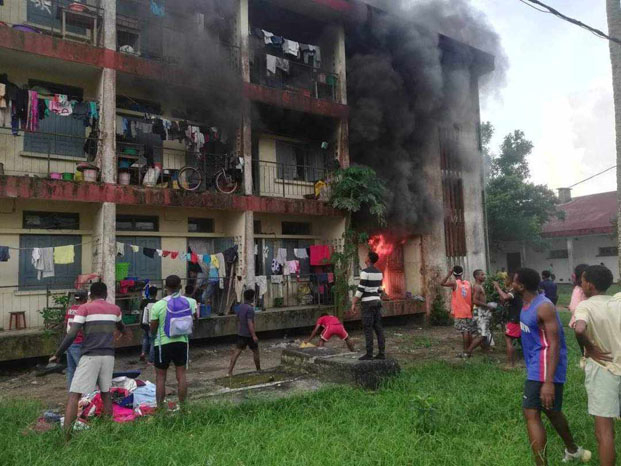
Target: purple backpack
pixel 179 321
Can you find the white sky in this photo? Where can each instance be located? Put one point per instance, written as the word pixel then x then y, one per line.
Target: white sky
pixel 558 91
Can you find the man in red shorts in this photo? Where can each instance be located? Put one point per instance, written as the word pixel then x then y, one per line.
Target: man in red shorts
pixel 332 327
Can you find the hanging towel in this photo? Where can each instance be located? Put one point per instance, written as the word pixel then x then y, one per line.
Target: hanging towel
pixel 291 47
pixel 222 268
pixel 149 252
pixel 292 268
pixel 261 282
pixel 174 254
pixel 194 258
pixel 320 255
pixel 135 248
pixel 64 254
pixel 207 259
pixel 271 63
pixel 267 37
pixel 43 262
pixel 215 262
pixel 159 252
pixel 281 257
pixel 120 249
pixel 277 279
pixel 121 271
pixel 32 117
pixel 4 254
pixel 165 253
pixel 300 253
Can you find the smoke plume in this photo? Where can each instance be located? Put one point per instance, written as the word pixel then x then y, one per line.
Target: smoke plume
pixel 400 88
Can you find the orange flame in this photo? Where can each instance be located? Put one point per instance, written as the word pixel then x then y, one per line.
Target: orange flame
pixel 383 247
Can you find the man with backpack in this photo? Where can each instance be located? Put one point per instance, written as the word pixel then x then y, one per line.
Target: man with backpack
pixel 171 327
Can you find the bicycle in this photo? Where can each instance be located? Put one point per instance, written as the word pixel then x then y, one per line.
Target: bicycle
pixel 227 180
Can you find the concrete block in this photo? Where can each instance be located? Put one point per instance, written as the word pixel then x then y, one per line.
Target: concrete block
pixel 330 365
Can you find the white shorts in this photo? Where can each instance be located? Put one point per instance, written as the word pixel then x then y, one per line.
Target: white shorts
pixel 93 371
pixel 603 390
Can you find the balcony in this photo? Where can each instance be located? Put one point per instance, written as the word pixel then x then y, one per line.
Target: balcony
pixel 65 19
pixel 290 181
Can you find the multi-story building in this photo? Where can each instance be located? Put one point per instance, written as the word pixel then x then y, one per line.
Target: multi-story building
pixel 144 78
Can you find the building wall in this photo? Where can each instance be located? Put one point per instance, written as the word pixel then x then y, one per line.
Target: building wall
pixel 585 251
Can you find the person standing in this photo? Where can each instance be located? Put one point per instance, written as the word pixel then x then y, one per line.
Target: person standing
pixel 577 295
pixel 548 286
pixel 513 302
pixel 482 315
pixel 369 295
pixel 246 334
pixel 461 305
pixel 145 323
pixel 598 330
pixel 545 352
pixel 75 350
pixel 98 320
pixel 171 327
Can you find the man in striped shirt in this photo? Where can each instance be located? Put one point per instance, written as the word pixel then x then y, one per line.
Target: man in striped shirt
pixel 97 319
pixel 369 295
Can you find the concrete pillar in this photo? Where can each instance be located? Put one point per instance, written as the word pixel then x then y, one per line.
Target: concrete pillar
pixel 243 22
pixel 249 248
pixel 105 221
pixel 340 63
pixel 570 255
pixel 342 138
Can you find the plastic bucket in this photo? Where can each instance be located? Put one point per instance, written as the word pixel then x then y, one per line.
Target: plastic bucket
pixel 68 176
pixel 124 178
pixel 55 176
pixel 90 175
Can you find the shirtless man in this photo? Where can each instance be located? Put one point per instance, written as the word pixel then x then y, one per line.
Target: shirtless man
pixel 482 313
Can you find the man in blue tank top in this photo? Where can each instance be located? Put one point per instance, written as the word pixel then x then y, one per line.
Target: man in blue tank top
pixel 545 353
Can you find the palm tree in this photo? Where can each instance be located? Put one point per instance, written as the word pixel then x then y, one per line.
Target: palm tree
pixel 613 11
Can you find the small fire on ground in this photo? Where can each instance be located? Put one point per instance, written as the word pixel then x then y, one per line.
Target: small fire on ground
pixel 390 252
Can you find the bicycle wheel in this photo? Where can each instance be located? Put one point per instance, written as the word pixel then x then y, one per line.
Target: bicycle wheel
pixel 225 183
pixel 190 179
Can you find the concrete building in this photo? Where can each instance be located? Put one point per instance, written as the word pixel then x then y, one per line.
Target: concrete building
pixel 584 236
pixel 130 61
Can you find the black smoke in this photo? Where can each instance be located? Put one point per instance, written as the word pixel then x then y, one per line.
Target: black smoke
pixel 404 81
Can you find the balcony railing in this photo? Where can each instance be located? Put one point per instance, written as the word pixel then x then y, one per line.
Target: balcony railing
pixel 273 179
pixel 44 154
pixel 68 19
pixel 296 76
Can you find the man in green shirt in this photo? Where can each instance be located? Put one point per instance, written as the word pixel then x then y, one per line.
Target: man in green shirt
pixel 167 348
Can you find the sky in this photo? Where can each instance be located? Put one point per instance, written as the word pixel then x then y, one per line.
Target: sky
pixel 558 90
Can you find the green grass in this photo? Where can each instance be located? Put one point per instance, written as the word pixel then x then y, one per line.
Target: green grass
pixel 565 289
pixel 461 414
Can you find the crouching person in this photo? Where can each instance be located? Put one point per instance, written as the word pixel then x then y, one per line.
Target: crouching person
pixel 171 327
pixel 97 320
pixel 332 327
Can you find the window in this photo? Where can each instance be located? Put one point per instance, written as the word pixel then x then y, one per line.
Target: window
pixel 136 223
pixel 141 266
pixel 453 194
pixel 559 254
pixel 299 162
pixel 257 227
pixel 200 225
pixel 64 275
pixel 51 221
pixel 296 228
pixel 609 251
pixel 268 248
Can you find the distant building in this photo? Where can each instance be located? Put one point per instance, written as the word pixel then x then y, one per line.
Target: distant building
pixel 586 235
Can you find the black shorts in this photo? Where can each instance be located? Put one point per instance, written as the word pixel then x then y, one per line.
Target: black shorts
pixel 532 396
pixel 177 353
pixel 246 342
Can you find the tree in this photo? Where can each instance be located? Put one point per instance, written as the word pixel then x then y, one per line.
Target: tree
pixel 354 189
pixel 516 208
pixel 613 11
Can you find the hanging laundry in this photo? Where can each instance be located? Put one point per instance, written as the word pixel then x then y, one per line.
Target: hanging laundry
pixel 273 63
pixel 157 8
pixel 311 52
pixel 281 256
pixel 60 105
pixel 159 252
pixel 330 278
pixel 291 47
pixel 135 248
pixel 4 254
pixel 120 249
pixel 238 284
pixel 215 262
pixel 194 258
pixel 32 121
pixel 300 253
pixel 267 37
pixel 276 267
pixel 230 255
pixel 292 268
pixel 320 255
pixel 222 268
pixel 174 254
pixel 3 102
pixel 207 259
pixel 165 253
pixel 277 279
pixel 121 270
pixel 305 269
pixel 266 252
pixel 149 252
pixel 261 282
pixel 64 254
pixel 93 111
pixel 43 262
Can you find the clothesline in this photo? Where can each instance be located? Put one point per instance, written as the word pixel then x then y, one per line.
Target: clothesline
pixel 74 245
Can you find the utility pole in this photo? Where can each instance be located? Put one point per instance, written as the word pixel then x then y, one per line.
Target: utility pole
pixel 613 11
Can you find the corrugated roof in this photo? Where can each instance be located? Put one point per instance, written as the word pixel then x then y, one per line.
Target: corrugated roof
pixel 585 215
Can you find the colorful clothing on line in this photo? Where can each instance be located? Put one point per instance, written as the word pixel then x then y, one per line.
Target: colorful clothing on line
pixel 64 254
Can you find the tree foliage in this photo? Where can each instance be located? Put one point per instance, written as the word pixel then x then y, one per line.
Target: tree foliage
pixel 517 209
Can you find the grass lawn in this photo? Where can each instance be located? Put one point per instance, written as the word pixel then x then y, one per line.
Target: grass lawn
pixel 565 289
pixel 438 413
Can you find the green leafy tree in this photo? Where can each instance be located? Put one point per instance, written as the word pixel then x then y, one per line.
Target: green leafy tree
pixel 354 189
pixel 517 209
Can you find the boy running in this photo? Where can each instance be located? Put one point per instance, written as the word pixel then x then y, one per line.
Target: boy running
pixel 246 335
pixel 332 327
pixel 543 341
pixel 461 305
pixel 598 329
